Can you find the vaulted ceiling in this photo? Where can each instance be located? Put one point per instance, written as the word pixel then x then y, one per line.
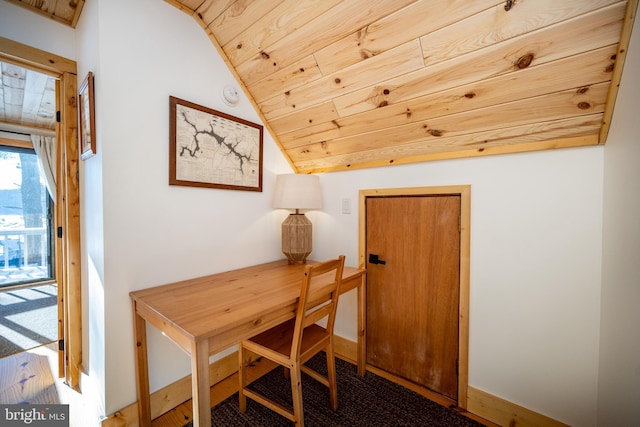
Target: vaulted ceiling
pixel 344 84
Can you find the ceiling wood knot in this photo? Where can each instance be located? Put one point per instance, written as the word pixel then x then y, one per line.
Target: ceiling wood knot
pixel 366 54
pixel 435 132
pixel 480 150
pixel 524 61
pixel 386 91
pixel 337 80
pixel 508 5
pixel 239 46
pixel 336 124
pixel 391 161
pixel 470 95
pixel 265 55
pixel 610 67
pixel 408 113
pixel 383 104
pixel 584 105
pixel 582 90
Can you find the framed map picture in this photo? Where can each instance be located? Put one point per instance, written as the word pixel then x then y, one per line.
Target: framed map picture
pixel 208 148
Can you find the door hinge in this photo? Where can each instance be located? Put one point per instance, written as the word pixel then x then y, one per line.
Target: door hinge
pixel 61 345
pixel 460 224
pixel 58 116
pixel 59 232
pixel 457 367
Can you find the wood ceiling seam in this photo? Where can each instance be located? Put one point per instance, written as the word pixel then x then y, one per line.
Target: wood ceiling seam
pixel 296 13
pixel 558 105
pixel 237 18
pixel 554 129
pixel 560 143
pixel 497 59
pixel 209 10
pixel 402 59
pixel 402 26
pixel 330 24
pixel 593 70
pixel 287 79
pixel 495 26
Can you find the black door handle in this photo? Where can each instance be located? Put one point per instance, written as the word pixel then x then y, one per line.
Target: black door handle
pixel 374 259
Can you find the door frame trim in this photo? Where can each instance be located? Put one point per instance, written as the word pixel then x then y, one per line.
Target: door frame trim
pixel 464 191
pixel 67 209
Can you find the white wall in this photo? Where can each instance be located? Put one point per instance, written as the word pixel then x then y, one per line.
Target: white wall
pixel 619 375
pixel 143 232
pixel 535 269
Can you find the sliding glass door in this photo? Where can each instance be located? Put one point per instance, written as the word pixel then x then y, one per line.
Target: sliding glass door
pixel 26 220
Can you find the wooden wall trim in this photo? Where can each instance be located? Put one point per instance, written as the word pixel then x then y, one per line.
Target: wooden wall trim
pixel 69 209
pixel 479 404
pixel 34 58
pixel 67 215
pixel 505 413
pixel 621 56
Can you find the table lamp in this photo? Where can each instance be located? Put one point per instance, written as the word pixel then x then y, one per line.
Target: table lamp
pixel 297 192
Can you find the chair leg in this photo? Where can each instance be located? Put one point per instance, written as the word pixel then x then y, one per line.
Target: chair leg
pixel 331 376
pixel 296 395
pixel 242 399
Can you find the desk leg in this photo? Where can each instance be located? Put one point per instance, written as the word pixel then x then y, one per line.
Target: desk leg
pixel 200 391
pixel 142 370
pixel 362 325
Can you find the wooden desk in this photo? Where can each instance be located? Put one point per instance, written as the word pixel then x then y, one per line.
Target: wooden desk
pixel 209 314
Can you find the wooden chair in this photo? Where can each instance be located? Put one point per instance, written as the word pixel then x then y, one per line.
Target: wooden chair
pixel 294 342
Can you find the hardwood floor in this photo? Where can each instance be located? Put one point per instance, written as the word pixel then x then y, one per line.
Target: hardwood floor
pixel 31 376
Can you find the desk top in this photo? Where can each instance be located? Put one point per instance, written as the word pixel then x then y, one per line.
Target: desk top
pixel 212 305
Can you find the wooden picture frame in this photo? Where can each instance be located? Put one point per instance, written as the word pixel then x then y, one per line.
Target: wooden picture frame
pixel 86 119
pixel 209 148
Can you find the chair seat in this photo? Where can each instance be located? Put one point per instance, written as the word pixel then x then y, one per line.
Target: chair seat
pixel 280 338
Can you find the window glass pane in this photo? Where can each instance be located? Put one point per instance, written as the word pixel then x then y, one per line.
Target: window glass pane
pixel 25 219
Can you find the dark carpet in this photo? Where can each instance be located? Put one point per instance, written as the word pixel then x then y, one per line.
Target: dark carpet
pixel 371 401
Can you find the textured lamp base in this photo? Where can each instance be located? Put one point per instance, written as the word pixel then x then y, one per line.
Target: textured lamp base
pixel 296 238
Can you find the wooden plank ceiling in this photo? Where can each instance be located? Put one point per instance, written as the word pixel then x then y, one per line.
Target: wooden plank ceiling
pixel 345 84
pixel 359 83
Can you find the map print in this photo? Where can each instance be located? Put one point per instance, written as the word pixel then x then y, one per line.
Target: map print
pixel 215 150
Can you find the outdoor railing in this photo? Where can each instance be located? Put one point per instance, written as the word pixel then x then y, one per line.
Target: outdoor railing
pixel 14 247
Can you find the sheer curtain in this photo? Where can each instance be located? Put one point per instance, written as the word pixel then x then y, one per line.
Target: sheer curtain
pixel 45 147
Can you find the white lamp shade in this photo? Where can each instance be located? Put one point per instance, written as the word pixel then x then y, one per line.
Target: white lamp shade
pixel 297 191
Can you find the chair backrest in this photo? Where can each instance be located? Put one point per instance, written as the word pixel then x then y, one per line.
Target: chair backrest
pixel 318 298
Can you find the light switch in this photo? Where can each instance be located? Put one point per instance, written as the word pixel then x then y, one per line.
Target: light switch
pixel 346 206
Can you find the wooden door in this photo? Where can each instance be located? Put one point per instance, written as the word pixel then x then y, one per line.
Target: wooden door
pixel 413 288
